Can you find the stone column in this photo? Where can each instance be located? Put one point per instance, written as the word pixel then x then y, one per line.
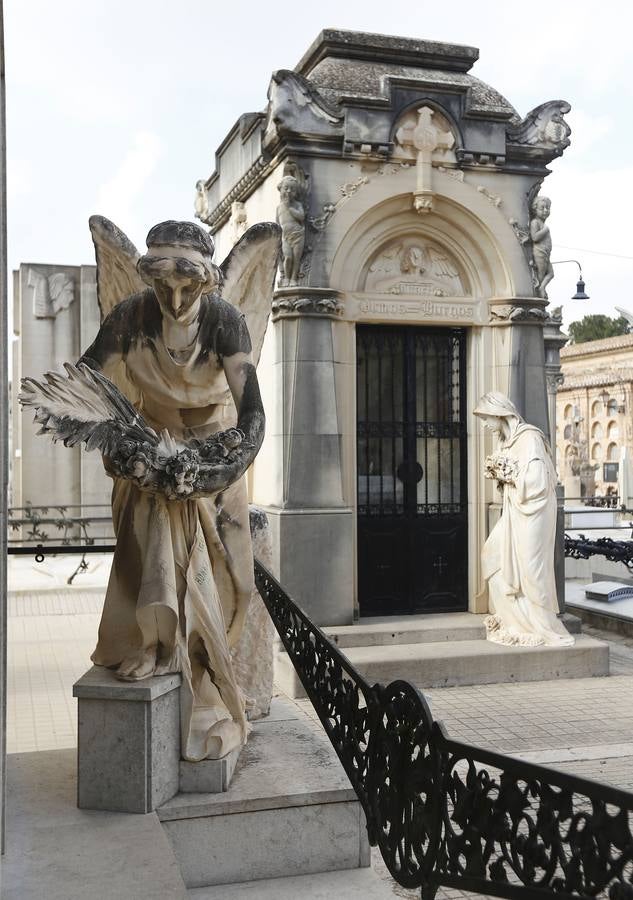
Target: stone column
pixel 554 339
pixel 4 436
pixel 528 389
pixel 301 480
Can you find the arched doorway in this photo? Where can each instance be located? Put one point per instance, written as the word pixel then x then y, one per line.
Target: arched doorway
pixel 411 469
pixel 418 291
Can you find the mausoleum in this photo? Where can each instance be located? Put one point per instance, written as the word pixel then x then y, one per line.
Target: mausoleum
pixel 415 260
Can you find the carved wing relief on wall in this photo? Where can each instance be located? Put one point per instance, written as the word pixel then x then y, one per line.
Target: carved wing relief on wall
pixel 415 266
pixel 51 293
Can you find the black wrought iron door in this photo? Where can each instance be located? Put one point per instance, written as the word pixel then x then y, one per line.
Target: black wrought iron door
pixel 411 439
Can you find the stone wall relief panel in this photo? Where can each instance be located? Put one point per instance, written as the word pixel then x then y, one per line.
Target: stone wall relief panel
pixel 50 293
pixel 414 265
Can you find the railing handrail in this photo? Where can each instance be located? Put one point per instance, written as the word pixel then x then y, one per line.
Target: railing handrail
pixel 527 833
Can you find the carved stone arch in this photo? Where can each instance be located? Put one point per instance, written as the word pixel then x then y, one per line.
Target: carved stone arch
pixel 481 262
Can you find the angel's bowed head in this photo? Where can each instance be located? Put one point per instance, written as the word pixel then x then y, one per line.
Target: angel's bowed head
pixel 178 266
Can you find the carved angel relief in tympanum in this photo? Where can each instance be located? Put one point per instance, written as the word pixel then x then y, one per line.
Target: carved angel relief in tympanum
pixel 415 266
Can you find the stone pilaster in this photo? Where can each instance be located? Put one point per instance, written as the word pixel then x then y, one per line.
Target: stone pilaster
pixel 524 318
pixel 310 509
pixel 4 435
pixel 554 339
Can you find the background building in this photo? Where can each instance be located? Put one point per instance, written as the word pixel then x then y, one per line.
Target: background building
pixel 594 414
pixel 55 317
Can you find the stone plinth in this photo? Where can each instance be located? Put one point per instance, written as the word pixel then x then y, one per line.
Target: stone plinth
pixel 128 741
pixel 209 776
pixel 290 811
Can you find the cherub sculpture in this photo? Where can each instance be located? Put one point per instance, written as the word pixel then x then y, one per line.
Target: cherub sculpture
pixel 291 216
pixel 168 392
pixel 541 244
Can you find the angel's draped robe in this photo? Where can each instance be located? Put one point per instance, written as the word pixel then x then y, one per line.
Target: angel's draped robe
pixel 518 556
pixel 184 564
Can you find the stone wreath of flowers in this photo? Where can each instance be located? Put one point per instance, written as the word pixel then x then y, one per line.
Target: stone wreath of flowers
pixel 86 407
pixel 501 467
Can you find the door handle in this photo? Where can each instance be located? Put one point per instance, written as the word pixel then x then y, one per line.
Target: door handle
pixel 410 470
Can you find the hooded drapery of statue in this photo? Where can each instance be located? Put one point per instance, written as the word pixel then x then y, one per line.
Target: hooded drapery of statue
pixel 518 556
pixel 168 392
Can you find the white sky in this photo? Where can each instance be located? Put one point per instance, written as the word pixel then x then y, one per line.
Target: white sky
pixel 117 106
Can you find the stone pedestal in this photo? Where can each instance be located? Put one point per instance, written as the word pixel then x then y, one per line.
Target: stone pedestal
pixel 129 741
pixel 572 489
pixel 208 776
pixel 291 811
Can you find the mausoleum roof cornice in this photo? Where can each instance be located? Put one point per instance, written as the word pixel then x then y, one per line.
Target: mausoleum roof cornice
pixel 385 48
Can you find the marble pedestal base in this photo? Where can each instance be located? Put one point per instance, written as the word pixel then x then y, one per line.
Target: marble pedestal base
pixel 128 741
pixel 209 776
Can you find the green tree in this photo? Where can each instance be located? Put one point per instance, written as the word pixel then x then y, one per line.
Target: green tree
pixel 594 328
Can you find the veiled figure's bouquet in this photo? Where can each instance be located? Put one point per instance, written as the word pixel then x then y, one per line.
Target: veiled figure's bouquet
pixel 87 407
pixel 501 467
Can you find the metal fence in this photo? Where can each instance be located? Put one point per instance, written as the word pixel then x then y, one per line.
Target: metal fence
pixel 443 812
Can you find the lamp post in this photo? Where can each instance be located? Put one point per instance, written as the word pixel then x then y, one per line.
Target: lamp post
pixel 580 284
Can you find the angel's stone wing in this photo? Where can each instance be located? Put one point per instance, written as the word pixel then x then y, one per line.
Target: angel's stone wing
pixel 248 278
pixel 117 256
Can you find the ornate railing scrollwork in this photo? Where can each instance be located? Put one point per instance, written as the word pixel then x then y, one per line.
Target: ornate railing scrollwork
pixel 615 551
pixel 444 813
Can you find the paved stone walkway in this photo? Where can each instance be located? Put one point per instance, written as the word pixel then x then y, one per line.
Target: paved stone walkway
pixel 583 726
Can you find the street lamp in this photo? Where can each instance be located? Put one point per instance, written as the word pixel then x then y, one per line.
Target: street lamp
pixel 580 285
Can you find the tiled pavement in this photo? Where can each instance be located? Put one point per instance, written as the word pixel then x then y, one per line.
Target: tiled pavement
pixel 583 726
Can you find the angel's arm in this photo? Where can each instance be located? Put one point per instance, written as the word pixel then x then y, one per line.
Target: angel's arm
pixel 242 380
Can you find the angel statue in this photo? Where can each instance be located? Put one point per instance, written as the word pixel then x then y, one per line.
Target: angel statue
pixel 168 393
pixel 518 556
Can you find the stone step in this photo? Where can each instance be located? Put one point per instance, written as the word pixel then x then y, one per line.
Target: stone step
pixel 444 664
pixel 358 884
pixel 385 630
pixel 290 811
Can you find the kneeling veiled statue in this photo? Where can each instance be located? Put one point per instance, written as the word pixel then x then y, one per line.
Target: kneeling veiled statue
pixel 168 393
pixel 518 556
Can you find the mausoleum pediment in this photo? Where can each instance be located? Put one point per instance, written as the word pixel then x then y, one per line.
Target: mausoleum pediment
pixel 415 265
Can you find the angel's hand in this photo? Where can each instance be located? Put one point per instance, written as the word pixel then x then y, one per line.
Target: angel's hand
pixel 218 477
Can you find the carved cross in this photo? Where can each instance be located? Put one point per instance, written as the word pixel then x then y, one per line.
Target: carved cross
pixel 440 564
pixel 424 138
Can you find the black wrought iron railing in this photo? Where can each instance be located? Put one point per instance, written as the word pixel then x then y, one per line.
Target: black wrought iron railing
pixel 69 526
pixel 582 547
pixel 443 812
